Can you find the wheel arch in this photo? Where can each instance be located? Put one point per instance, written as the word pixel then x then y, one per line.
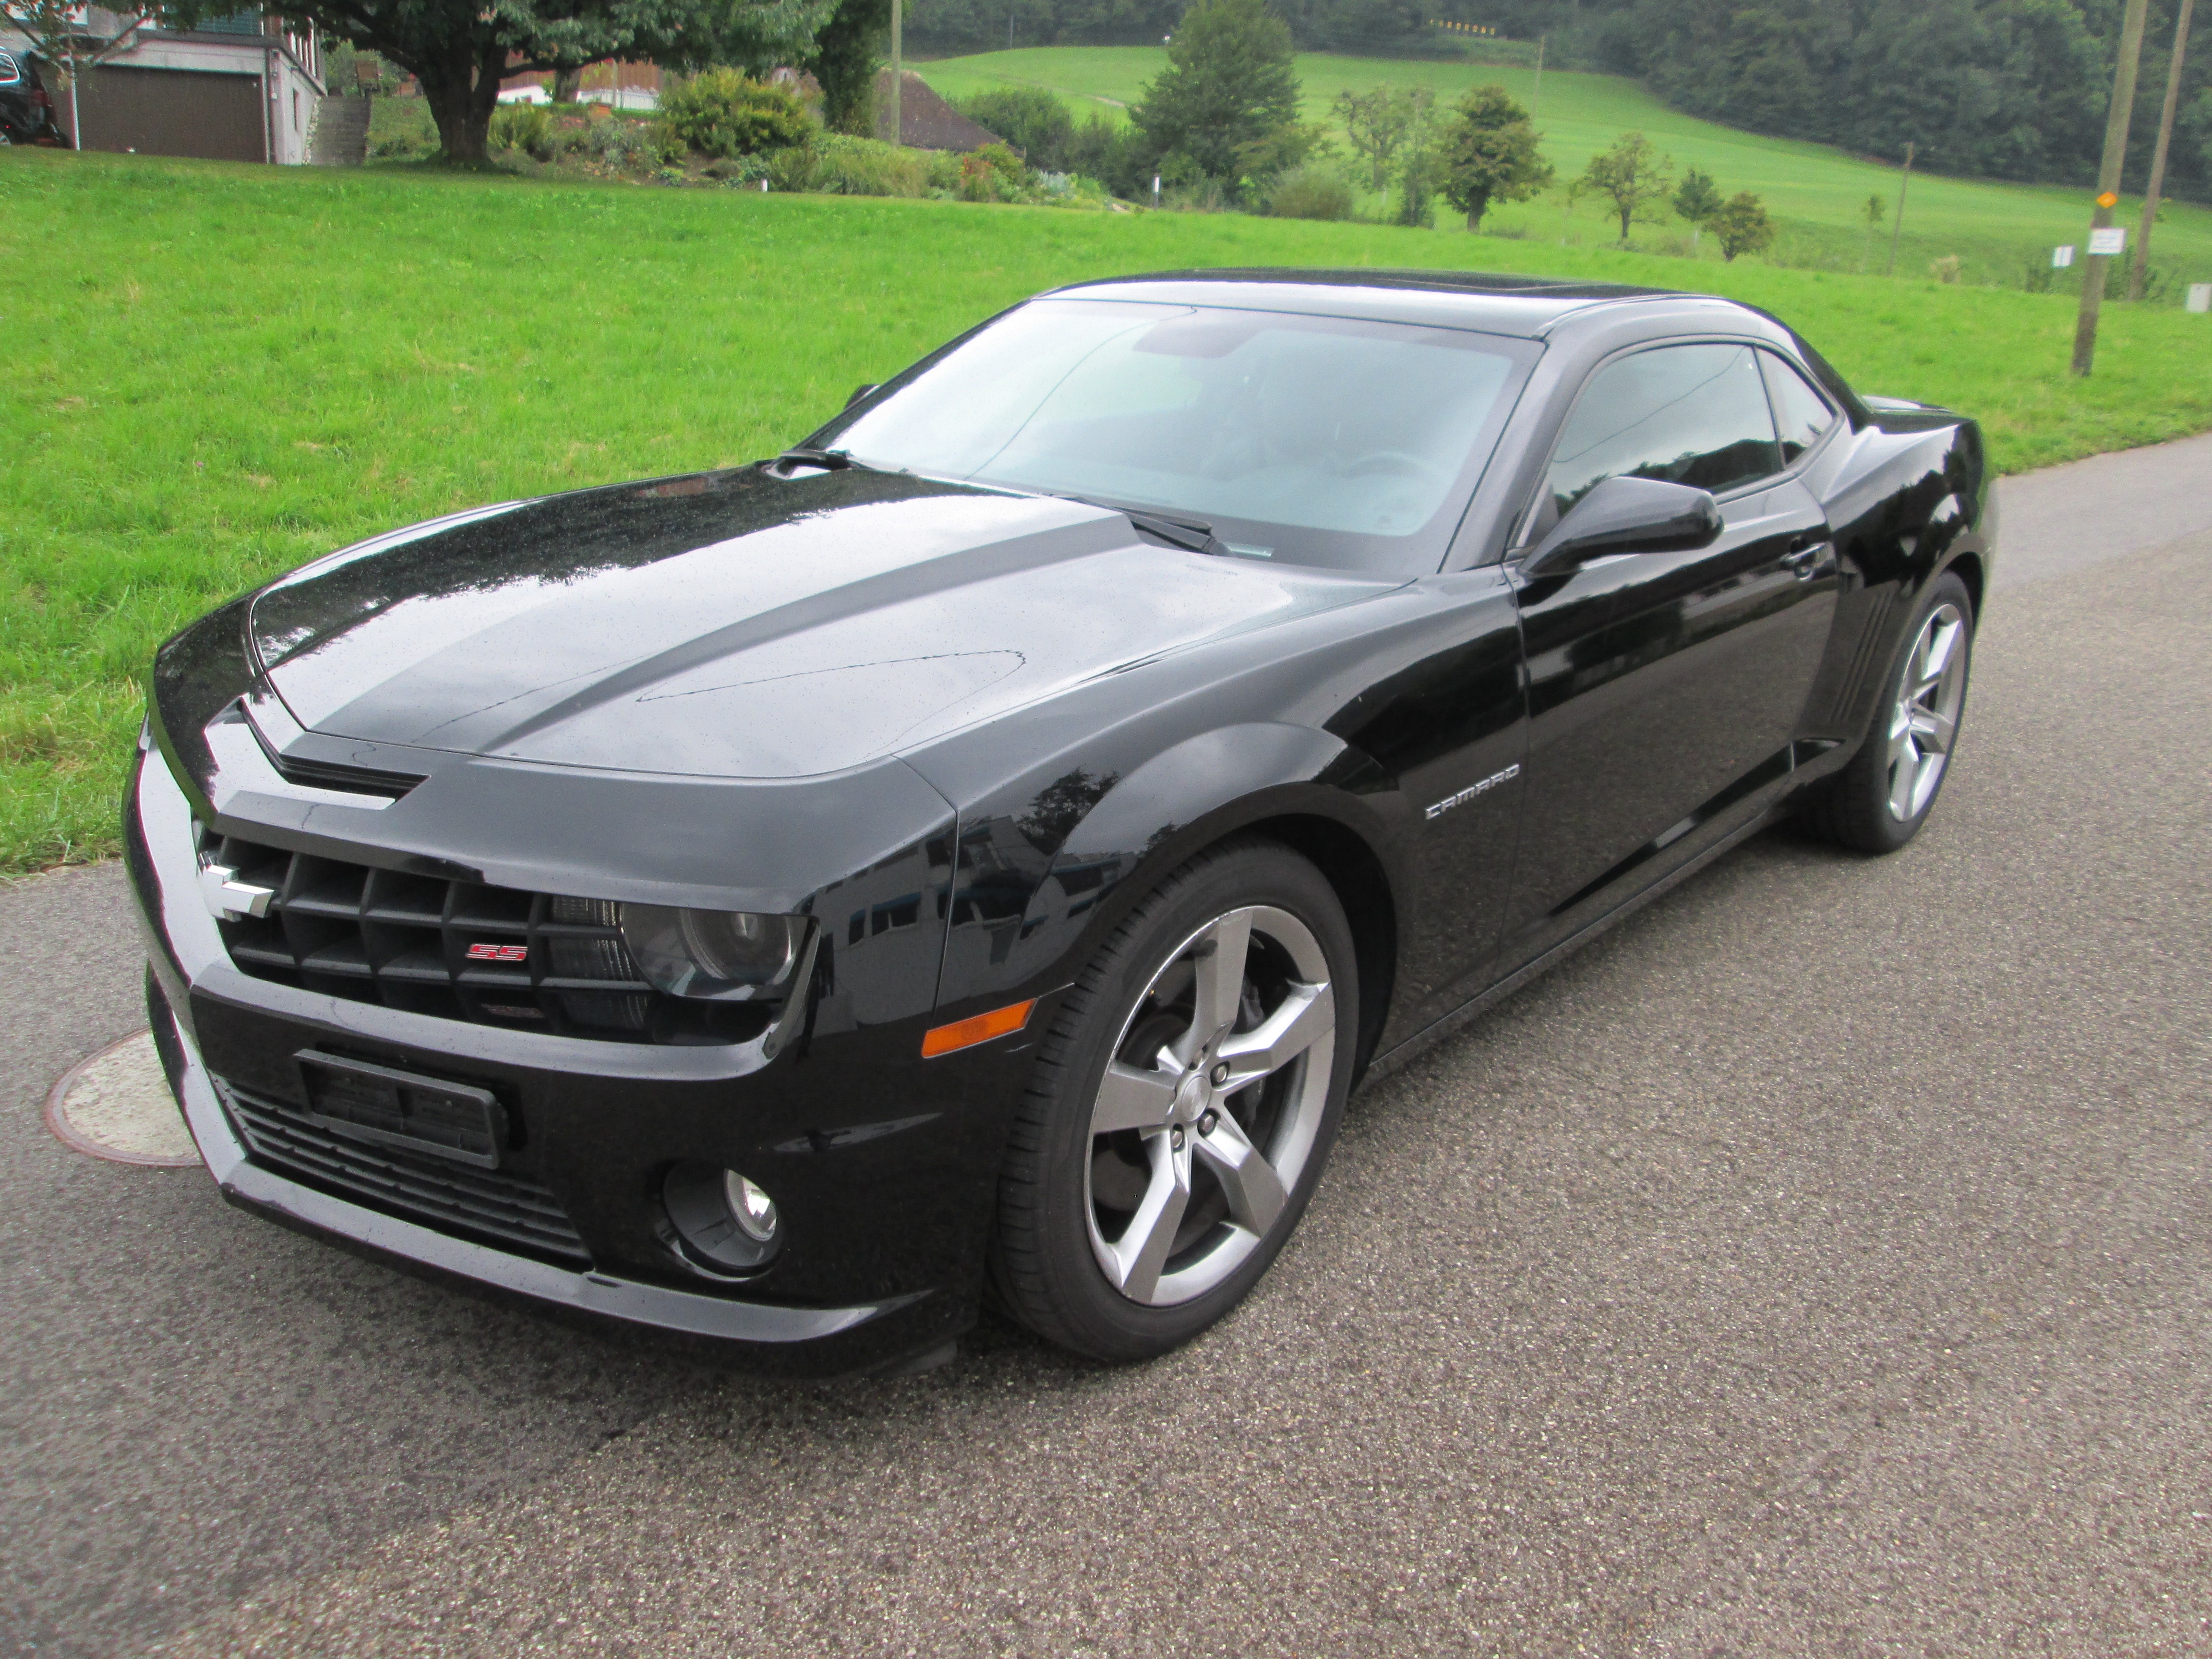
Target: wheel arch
pixel 1304 788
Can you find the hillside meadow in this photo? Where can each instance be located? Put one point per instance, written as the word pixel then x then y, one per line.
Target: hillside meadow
pixel 221 371
pixel 1817 194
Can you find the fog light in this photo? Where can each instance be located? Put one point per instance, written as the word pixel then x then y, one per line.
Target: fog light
pixel 724 1221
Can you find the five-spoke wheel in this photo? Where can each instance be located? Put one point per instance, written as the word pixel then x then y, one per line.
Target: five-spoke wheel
pixel 1880 799
pixel 1924 719
pixel 1208 1110
pixel 1186 1096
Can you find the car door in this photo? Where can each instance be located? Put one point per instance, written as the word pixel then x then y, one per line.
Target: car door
pixel 1664 687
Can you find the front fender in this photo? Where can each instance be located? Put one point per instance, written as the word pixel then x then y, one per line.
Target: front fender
pixel 1038 889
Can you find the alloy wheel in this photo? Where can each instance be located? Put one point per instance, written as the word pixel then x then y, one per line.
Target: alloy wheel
pixel 1210 1107
pixel 1924 724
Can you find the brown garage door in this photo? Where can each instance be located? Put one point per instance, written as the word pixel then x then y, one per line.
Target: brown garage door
pixel 163 111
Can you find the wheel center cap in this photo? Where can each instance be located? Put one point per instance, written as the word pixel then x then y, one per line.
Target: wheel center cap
pixel 1192 1097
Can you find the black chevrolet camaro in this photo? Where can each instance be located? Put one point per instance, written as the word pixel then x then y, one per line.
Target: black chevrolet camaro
pixel 977 852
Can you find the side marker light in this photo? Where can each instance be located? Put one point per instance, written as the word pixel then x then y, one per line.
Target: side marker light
pixel 979 1028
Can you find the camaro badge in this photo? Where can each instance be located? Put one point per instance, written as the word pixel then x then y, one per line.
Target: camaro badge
pixel 499 953
pixel 1472 791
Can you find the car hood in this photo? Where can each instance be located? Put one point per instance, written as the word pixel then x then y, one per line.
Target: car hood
pixel 741 623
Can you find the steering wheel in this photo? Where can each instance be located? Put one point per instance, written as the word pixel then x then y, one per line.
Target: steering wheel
pixel 1398 462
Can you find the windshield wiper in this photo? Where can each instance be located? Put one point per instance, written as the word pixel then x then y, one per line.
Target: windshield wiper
pixel 1191 535
pixel 830 460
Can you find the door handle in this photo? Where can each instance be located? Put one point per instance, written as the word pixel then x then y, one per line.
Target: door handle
pixel 1803 557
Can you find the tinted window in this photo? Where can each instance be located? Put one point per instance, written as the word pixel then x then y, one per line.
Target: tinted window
pixel 1694 414
pixel 1801 414
pixel 1310 439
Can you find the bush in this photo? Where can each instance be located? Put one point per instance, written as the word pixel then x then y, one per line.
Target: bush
pixel 1031 120
pixel 1310 192
pixel 837 164
pixel 723 113
pixel 526 127
pixel 1945 270
pixel 992 173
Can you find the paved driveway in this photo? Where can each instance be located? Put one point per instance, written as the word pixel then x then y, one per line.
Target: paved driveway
pixel 1818 1264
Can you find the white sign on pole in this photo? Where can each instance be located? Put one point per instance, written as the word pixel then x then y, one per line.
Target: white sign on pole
pixel 2061 257
pixel 2113 239
pixel 2200 297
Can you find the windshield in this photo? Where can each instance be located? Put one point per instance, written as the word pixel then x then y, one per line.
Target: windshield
pixel 1307 440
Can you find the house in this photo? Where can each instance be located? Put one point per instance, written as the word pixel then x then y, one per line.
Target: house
pixel 238 89
pixel 925 120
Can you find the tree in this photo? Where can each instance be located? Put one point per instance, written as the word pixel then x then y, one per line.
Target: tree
pixel 1741 226
pixel 1633 176
pixel 460 49
pixel 1420 169
pixel 1488 154
pixel 1226 106
pixel 1876 210
pixel 1697 200
pixel 1376 122
pixel 846 53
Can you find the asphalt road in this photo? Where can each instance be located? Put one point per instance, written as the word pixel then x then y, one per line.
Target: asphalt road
pixel 1818 1265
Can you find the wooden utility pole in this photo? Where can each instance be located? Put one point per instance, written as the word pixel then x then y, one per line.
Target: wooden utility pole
pixel 1897 224
pixel 2108 181
pixel 1539 92
pixel 898 72
pixel 2141 267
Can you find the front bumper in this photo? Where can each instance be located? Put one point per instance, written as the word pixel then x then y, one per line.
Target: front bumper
pixel 883 1165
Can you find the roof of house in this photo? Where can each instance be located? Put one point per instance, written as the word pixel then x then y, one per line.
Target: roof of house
pixel 925 120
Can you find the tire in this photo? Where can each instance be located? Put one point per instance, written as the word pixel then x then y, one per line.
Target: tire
pixel 1138 1206
pixel 1879 802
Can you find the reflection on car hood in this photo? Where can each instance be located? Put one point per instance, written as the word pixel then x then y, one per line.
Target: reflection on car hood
pixel 740 624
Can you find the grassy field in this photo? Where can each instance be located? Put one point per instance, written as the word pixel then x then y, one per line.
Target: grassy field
pixel 1816 194
pixel 221 371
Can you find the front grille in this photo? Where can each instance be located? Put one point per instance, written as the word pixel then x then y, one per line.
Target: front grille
pixel 460 949
pixel 487 1204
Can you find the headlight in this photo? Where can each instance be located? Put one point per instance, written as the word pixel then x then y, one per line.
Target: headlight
pixel 714 955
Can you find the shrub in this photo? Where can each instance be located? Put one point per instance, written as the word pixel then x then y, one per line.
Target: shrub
pixel 1741 226
pixel 723 113
pixel 837 164
pixel 527 127
pixel 1031 120
pixel 628 146
pixel 1945 270
pixel 992 173
pixel 1310 192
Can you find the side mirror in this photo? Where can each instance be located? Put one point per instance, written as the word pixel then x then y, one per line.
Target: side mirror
pixel 861 392
pixel 1627 515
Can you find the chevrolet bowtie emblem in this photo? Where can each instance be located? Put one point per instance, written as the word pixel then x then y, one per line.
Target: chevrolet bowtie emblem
pixel 230 899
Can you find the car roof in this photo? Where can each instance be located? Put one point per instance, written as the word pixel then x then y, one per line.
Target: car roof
pixel 1490 302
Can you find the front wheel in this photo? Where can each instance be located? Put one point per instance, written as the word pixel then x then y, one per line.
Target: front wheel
pixel 1183 1104
pixel 1879 802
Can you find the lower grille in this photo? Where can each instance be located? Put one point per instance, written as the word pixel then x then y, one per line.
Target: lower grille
pixel 485 1204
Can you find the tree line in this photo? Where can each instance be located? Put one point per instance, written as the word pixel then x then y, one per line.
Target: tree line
pixel 1987 88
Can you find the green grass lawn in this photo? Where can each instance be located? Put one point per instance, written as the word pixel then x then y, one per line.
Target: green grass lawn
pixel 221 371
pixel 1816 194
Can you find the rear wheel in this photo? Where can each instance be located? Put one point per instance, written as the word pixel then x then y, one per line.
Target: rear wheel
pixel 1183 1104
pixel 1879 802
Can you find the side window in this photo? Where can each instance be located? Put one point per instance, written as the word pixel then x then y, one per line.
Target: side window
pixel 1689 414
pixel 1802 414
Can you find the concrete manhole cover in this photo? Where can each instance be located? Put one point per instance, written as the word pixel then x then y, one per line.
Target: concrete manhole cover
pixel 117 1105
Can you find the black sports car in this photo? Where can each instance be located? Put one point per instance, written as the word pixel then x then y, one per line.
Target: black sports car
pixel 980 848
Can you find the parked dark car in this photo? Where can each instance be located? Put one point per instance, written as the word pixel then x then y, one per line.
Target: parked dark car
pixel 978 850
pixel 27 110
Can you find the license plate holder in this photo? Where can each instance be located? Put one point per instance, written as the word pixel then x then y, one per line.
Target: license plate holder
pixel 388 1106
